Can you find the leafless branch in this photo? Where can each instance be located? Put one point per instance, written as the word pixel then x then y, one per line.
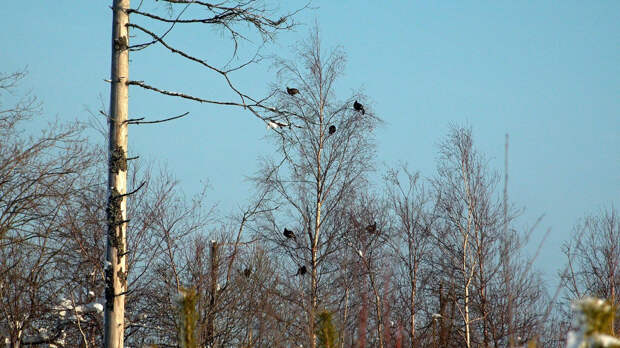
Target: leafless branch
pixel 139 120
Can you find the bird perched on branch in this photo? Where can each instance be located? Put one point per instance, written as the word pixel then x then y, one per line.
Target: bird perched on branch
pixel 332 129
pixel 359 107
pixel 372 228
pixel 288 233
pixel 301 270
pixel 247 272
pixel 292 91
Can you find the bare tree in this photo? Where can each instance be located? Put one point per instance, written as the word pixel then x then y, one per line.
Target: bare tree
pixel 368 235
pixel 166 223
pixel 473 236
pixel 593 258
pixel 460 186
pixel 39 175
pixel 414 215
pixel 326 149
pixel 231 278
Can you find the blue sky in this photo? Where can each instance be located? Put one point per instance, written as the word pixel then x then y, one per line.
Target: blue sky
pixel 547 73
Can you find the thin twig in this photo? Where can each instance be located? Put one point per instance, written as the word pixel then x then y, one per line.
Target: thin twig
pixel 132 192
pixel 145 45
pixel 77 318
pixel 139 120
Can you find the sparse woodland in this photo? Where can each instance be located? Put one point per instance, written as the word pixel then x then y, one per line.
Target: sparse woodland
pixel 322 256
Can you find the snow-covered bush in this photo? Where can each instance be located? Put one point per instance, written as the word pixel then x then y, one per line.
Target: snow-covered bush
pixel 594 317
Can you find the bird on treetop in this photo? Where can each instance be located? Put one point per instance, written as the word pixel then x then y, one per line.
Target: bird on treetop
pixel 288 233
pixel 301 271
pixel 359 107
pixel 292 91
pixel 332 129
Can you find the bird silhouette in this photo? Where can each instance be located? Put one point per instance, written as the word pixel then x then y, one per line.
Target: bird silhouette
pixel 247 272
pixel 359 107
pixel 301 270
pixel 288 233
pixel 292 91
pixel 332 129
pixel 372 228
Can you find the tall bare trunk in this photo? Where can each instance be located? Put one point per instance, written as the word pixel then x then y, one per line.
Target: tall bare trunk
pixel 378 309
pixel 116 268
pixel 412 308
pixel 467 275
pixel 213 295
pixel 315 251
pixel 467 321
pixel 314 295
pixel 317 231
pixel 413 281
pixel 483 295
pixel 345 317
pixel 613 301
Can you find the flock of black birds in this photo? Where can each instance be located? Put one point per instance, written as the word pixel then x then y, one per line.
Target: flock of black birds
pixel 371 228
pixel 290 234
pixel 332 129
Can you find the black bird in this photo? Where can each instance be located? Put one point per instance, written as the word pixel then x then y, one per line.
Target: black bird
pixel 301 270
pixel 292 91
pixel 359 107
pixel 247 272
pixel 288 233
pixel 332 129
pixel 372 228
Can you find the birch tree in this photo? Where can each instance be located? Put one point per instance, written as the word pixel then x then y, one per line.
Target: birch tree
pixel 458 177
pixel 326 149
pixel 414 213
pixel 594 261
pixel 473 235
pixel 368 235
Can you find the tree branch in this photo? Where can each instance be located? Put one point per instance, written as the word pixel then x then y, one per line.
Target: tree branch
pixel 139 120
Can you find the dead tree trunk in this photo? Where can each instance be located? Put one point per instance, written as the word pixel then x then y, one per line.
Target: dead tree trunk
pixel 115 266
